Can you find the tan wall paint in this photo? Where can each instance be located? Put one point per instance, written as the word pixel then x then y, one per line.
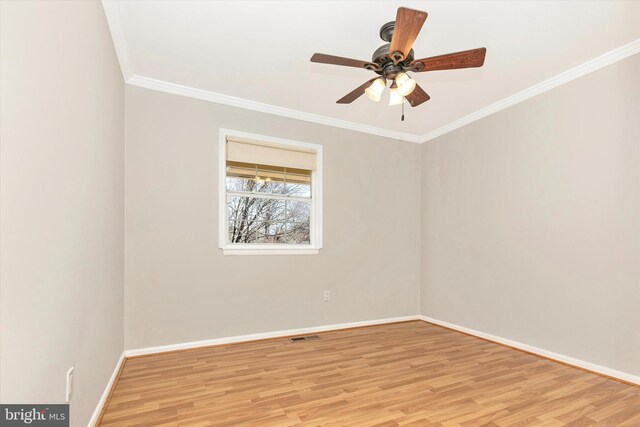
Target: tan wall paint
pixel 531 227
pixel 529 218
pixel 61 203
pixel 179 286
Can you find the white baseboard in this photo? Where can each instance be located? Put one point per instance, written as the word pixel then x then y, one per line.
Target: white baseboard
pixel 105 395
pixel 227 340
pixel 264 335
pixel 624 376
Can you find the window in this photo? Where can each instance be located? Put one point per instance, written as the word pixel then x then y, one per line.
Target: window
pixel 271 195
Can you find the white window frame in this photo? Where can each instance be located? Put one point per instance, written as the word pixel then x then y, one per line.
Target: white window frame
pixel 316 201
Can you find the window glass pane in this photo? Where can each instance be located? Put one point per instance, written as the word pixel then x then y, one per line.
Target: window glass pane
pixel 258 220
pixel 241 184
pixel 267 185
pixel 242 208
pixel 298 211
pixel 242 232
pixel 272 232
pixel 297 225
pixel 243 214
pixel 267 232
pixel 297 233
pixel 297 190
pixel 298 184
pixel 231 231
pixel 268 179
pixel 270 209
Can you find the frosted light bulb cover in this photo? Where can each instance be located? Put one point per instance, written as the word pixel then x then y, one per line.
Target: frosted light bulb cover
pixel 405 84
pixel 394 97
pixel 374 92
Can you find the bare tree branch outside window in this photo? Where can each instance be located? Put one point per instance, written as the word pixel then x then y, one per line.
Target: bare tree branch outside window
pixel 268 204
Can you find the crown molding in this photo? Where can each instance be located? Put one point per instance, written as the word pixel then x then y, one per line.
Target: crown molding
pixel 588 67
pixel 191 92
pixel 595 64
pixel 112 13
pixel 113 18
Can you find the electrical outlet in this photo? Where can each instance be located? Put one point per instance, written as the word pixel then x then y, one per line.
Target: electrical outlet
pixel 326 296
pixel 69 384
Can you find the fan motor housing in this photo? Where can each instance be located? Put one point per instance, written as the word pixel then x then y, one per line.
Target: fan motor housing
pixel 387 68
pixel 383 55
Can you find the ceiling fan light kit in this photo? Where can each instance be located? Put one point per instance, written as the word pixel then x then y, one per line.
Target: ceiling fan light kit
pixel 405 84
pixel 394 59
pixel 395 97
pixel 374 91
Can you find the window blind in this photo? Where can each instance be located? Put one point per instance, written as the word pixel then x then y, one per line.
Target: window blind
pixel 265 172
pixel 256 152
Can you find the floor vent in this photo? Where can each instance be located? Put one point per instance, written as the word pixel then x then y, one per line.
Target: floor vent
pixel 307 338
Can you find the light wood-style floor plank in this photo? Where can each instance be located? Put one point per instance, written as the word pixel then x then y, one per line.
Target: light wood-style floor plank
pixel 402 374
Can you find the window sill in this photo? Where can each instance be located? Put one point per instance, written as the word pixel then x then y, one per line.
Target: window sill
pixel 247 251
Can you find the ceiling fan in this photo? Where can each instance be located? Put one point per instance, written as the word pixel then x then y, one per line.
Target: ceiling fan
pixel 392 62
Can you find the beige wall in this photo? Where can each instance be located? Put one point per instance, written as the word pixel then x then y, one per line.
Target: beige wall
pixel 531 227
pixel 523 225
pixel 179 286
pixel 61 203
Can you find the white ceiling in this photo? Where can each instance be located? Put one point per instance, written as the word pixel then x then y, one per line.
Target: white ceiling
pixel 259 50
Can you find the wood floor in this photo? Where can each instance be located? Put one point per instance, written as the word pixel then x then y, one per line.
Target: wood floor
pixel 411 373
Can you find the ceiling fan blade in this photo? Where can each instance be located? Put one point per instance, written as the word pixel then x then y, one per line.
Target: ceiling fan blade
pixel 354 94
pixel 451 61
pixel 406 29
pixel 339 60
pixel 417 97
